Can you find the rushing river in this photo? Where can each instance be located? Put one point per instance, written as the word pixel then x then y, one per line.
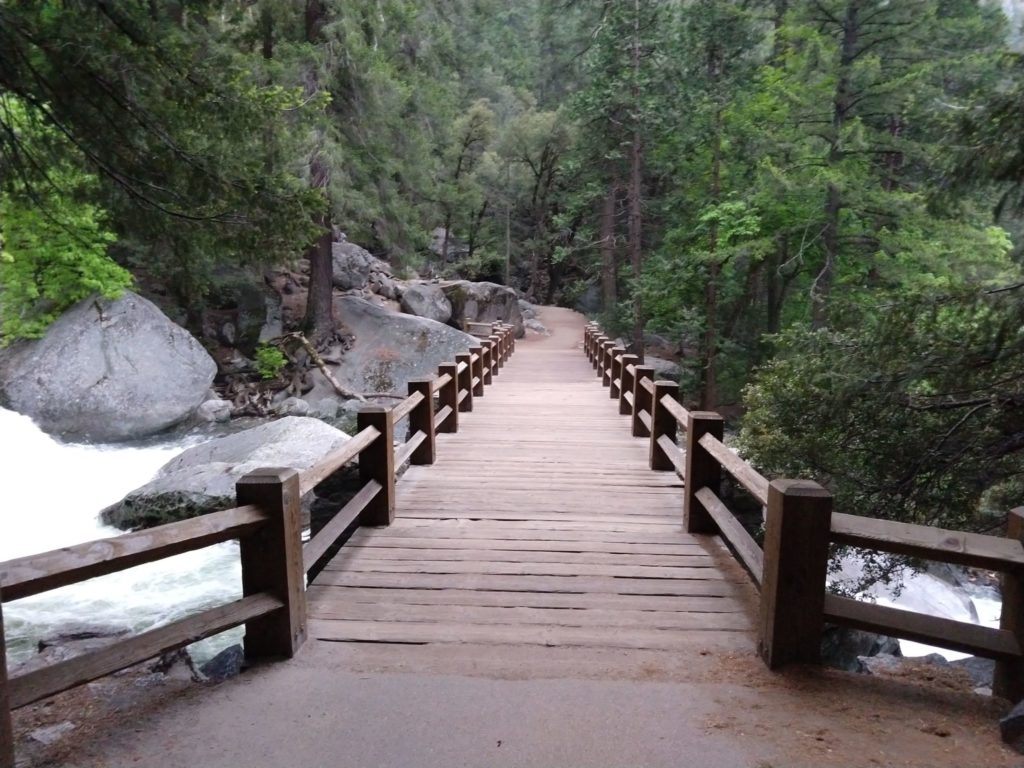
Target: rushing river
pixel 52 493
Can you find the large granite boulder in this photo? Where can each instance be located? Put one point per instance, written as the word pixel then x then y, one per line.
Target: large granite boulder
pixel 107 370
pixel 202 479
pixel 391 348
pixel 427 300
pixel 484 303
pixel 354 267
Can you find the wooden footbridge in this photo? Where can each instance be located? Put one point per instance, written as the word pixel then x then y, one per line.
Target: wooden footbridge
pixel 548 510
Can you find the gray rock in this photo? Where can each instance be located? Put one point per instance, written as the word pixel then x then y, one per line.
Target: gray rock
pixel 294 406
pixel 352 266
pixel 326 408
pixel 1011 727
pixel 663 369
pixel 890 664
pixel 537 327
pixel 483 303
pixel 529 313
pixel 202 479
pixel 391 348
pixel 844 648
pixel 227 663
pixel 427 300
pixel 456 248
pixel 214 411
pixel 981 670
pixel 383 285
pixel 107 371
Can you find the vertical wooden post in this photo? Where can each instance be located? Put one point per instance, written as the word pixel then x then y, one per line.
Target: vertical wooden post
pixel 1008 679
pixel 496 361
pixel 606 363
pixel 628 375
pixel 377 462
pixel 796 538
pixel 272 562
pixel 465 380
pixel 421 419
pixel 662 423
pixel 616 373
pixel 642 399
pixel 702 470
pixel 477 370
pixel 6 727
pixel 488 355
pixel 598 352
pixel 449 395
pixel 588 335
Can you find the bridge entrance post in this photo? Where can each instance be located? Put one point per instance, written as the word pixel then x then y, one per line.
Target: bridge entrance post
pixel 464 363
pixel 796 537
pixel 448 397
pixel 272 562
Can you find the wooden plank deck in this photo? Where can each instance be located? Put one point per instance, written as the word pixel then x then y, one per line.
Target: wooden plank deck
pixel 539 524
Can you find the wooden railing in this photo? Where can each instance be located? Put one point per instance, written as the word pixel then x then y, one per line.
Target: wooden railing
pixel 800 526
pixel 266 523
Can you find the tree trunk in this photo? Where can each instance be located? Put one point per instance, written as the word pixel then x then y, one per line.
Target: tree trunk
pixel 319 320
pixel 842 105
pixel 609 264
pixel 635 204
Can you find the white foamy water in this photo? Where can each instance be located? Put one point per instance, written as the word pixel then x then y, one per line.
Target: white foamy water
pixel 52 494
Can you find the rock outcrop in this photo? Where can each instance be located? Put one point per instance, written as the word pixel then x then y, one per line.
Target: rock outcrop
pixel 389 349
pixel 355 267
pixel 426 300
pixel 484 303
pixel 107 371
pixel 202 478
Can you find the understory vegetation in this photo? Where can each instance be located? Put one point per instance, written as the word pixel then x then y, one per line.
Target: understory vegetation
pixel 814 205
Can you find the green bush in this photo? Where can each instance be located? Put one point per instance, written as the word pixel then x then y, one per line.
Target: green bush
pixel 270 361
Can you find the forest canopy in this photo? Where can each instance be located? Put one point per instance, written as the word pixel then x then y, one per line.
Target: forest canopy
pixel 813 205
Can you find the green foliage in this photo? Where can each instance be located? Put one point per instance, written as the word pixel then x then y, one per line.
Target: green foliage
pixel 53 243
pixel 270 361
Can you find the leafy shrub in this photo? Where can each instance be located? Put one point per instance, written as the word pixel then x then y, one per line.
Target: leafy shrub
pixel 270 361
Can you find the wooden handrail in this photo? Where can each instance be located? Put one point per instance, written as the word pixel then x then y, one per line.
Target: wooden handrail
pixel 55 678
pixel 973 550
pixel 441 381
pixel 27 576
pixel 648 384
pixel 441 415
pixel 327 536
pixel 461 367
pixel 402 454
pixel 747 476
pixel 741 542
pixel 672 406
pixel 674 454
pixel 933 630
pixel 405 407
pixel 327 466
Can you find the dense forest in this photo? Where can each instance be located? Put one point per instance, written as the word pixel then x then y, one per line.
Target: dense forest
pixel 814 204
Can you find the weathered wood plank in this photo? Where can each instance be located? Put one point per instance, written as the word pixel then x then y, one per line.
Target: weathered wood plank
pixel 612 637
pixel 41 683
pixel 31 575
pixel 719 587
pixel 323 596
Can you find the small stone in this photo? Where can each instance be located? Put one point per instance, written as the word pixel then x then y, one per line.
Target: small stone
pixel 294 406
pixel 225 664
pixel 214 411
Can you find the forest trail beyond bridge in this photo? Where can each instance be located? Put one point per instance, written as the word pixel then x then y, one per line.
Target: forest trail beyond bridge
pixel 540 524
pixel 536 599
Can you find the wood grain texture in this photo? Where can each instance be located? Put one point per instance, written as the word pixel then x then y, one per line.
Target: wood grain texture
pixel 539 523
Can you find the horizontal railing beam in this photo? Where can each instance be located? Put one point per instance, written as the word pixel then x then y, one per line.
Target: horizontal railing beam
pixel 26 576
pixel 42 683
pixel 332 462
pixel 326 537
pixel 973 550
